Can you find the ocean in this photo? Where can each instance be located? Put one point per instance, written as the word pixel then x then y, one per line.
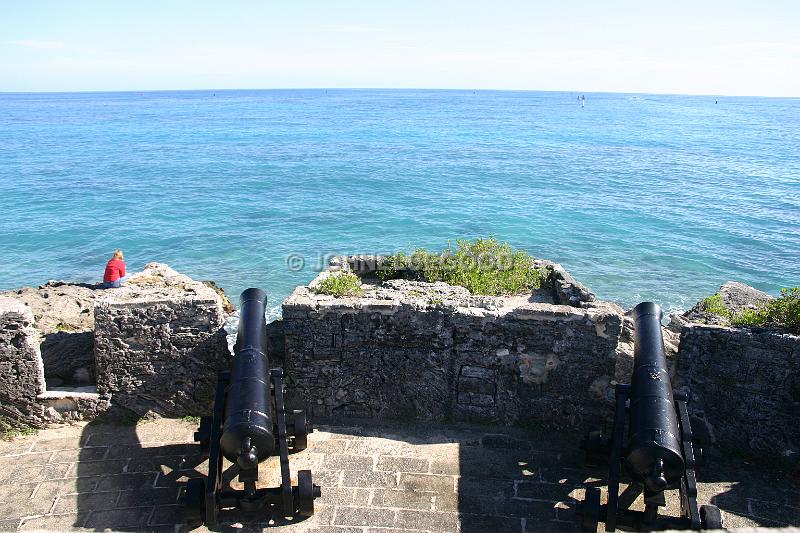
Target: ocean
pixel 640 197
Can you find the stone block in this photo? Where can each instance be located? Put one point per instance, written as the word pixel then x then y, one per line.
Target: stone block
pixel 427 483
pixel 21 359
pixel 59 522
pixel 402 464
pixel 365 479
pixel 119 518
pixel 359 516
pixel 159 342
pixel 427 520
pixel 402 499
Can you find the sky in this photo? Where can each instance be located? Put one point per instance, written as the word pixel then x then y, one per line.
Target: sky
pixel 698 47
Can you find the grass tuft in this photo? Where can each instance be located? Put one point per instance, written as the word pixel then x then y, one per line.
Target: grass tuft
pixel 339 284
pixel 10 429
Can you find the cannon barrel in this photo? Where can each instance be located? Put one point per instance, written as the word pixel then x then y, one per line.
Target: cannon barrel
pixel 247 435
pixel 654 450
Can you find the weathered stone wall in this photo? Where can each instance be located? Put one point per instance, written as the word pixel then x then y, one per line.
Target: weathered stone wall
pixel 21 369
pixel 63 318
pixel 432 351
pixel 159 341
pixel 745 384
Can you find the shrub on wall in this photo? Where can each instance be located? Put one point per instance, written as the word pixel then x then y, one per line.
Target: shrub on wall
pixel 782 312
pixel 339 284
pixel 483 266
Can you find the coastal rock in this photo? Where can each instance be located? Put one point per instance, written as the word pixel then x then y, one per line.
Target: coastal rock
pixel 735 296
pixel 159 341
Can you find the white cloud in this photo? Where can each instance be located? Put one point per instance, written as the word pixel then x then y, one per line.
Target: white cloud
pixel 775 47
pixel 38 44
pixel 353 29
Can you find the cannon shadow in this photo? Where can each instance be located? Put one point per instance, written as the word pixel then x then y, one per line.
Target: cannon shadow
pixel 451 476
pixel 131 475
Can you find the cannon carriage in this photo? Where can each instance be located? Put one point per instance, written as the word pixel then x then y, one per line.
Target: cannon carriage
pixel 659 451
pixel 250 424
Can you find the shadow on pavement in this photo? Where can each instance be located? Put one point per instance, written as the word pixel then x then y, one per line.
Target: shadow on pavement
pixel 125 484
pixel 132 484
pixel 762 492
pixel 433 477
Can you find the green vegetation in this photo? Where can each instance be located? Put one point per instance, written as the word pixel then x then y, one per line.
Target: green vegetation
pixel 484 266
pixel 782 312
pixel 191 419
pixel 748 317
pixel 714 304
pixel 786 309
pixel 10 429
pixel 340 284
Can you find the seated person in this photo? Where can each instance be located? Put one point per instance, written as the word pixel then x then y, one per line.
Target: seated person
pixel 115 271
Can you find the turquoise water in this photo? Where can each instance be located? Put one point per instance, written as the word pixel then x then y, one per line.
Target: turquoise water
pixel 655 197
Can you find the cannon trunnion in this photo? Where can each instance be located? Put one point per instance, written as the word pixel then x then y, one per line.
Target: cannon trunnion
pixel 659 452
pixel 249 425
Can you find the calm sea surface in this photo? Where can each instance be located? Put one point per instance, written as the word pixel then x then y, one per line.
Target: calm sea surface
pixel 655 197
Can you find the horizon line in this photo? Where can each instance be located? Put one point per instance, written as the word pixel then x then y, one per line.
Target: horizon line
pixel 122 91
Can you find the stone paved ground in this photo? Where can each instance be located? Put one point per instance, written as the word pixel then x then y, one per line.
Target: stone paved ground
pixel 388 478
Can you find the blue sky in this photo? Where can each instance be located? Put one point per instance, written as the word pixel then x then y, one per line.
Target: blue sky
pixel 730 47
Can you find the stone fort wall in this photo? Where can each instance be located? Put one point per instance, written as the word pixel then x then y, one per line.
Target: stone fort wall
pixel 408 349
pixel 745 385
pixel 156 345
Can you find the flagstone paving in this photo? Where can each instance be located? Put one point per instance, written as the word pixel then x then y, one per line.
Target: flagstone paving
pixel 374 478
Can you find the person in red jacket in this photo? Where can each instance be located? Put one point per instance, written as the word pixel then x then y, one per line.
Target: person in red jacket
pixel 115 271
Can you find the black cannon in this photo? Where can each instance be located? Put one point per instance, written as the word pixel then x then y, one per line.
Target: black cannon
pixel 248 425
pixel 659 452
